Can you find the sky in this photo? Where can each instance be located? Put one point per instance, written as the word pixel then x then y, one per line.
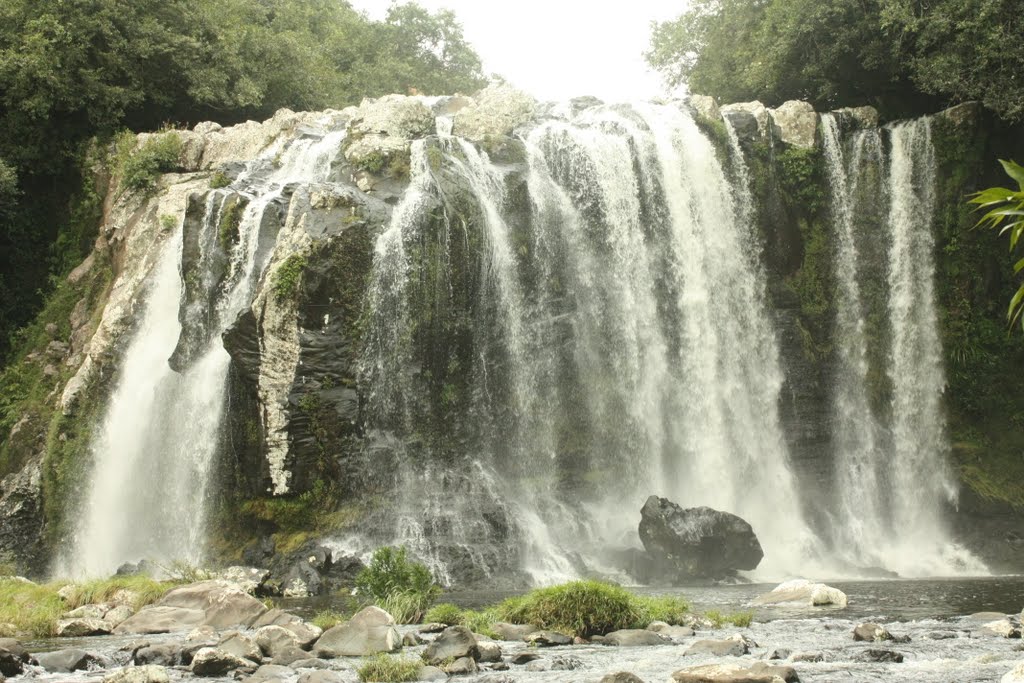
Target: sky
pixel 556 49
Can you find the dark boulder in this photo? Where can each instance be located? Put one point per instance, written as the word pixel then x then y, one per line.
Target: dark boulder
pixel 13 657
pixel 697 542
pixel 65 661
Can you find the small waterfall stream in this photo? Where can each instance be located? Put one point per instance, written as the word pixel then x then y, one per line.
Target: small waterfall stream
pixel 892 477
pixel 154 453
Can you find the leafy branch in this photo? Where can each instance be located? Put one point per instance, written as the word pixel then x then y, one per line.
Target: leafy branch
pixel 1006 213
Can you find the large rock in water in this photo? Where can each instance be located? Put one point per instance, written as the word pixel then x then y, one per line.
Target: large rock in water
pixel 218 604
pixel 696 542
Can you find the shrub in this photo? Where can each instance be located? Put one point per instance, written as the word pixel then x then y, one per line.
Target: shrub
pixel 140 167
pixel 582 608
pixel 400 585
pixel 481 621
pixel 230 222
pixel 386 668
pixel 444 613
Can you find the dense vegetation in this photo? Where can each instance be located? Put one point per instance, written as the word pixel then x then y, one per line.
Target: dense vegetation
pixel 903 56
pixel 75 70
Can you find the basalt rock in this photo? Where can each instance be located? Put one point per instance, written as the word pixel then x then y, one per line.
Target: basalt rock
pixel 696 542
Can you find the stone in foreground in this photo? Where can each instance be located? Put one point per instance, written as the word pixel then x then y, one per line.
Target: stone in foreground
pixel 138 674
pixel 696 542
pixel 367 633
pixel 635 637
pixel 455 642
pixel 801 592
pixel 759 672
pixel 730 647
pixel 65 661
pixel 218 604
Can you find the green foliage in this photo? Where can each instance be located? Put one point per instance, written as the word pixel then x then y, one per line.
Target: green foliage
pixel 444 613
pixel 403 587
pixel 35 609
pixel 287 277
pixel 672 609
pixel 71 72
pixel 584 608
pixel 718 619
pixel 384 667
pixel 230 221
pixel 326 619
pixel 895 54
pixel 140 168
pixel 219 180
pixel 1006 213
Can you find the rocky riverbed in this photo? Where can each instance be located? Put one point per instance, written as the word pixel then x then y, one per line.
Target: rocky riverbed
pixel 794 642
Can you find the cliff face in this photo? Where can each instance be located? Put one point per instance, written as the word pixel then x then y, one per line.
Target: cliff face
pixel 336 420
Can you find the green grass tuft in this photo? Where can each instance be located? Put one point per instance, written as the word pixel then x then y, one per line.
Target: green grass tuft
pixel 718 619
pixel 383 667
pixel 581 608
pixel 327 618
pixel 444 613
pixel 139 168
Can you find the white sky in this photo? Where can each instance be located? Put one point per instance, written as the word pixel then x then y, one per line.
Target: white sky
pixel 556 49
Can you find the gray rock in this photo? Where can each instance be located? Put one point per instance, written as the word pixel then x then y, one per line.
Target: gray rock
pixel 705 107
pixel 804 593
pixel 305 633
pixel 557 663
pixel 807 657
pixel 621 677
pixel 13 657
pixel 779 653
pixel 356 639
pixel 432 673
pixel 871 633
pixel 758 672
pixel 310 663
pixel 1000 628
pixel 513 631
pixel 241 645
pixel 211 662
pixel 138 674
pixel 270 672
pixel 862 117
pixel 321 677
pixel 214 603
pixel 462 665
pixel 116 615
pixel 164 654
pixel 432 627
pixel 495 111
pixel 754 111
pixel 879 656
pixel 942 635
pixel 797 123
pixel 65 661
pixel 249 579
pixel 521 658
pixel 455 642
pixel 1014 675
pixel 88 612
pixel 635 638
pixel 77 628
pixel 674 632
pixel 730 647
pixel 547 638
pixel 275 639
pixel 412 639
pixel 289 655
pixel 696 542
pixel 489 651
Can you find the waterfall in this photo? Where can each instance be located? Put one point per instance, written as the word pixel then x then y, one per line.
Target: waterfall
pixel 155 449
pixel 891 473
pixel 621 346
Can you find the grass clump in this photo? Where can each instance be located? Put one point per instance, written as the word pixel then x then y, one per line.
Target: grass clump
pixel 718 619
pixel 581 608
pixel 398 584
pixel 383 667
pixel 327 618
pixel 668 608
pixel 230 222
pixel 140 167
pixel 35 609
pixel 444 613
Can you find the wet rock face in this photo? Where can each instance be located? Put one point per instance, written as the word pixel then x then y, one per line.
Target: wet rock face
pixel 696 542
pixel 21 512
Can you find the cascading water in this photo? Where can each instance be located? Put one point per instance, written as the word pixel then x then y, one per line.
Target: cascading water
pixel 891 475
pixel 620 341
pixel 162 430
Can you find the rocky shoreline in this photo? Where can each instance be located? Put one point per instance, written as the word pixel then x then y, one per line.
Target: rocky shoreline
pixel 215 630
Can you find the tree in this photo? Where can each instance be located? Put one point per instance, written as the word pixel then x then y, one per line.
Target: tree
pixel 905 57
pixel 1006 212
